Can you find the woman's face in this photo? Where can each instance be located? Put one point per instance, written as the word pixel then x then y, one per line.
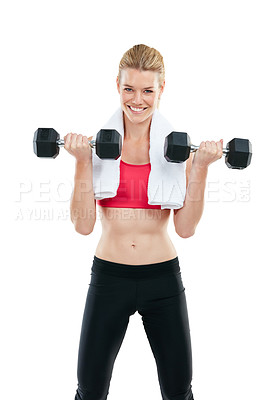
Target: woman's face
pixel 139 93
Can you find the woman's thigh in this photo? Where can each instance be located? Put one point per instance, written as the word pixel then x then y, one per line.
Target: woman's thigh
pixel 162 304
pixel 106 315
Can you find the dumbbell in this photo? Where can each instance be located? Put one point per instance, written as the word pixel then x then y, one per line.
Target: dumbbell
pixel 177 148
pixel 108 143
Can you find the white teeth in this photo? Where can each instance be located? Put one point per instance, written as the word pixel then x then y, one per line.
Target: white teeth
pixel 136 109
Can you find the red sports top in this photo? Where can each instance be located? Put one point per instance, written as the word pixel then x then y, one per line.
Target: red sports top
pixel 132 190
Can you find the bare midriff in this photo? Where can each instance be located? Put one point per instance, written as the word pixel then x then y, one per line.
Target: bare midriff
pixel 134 236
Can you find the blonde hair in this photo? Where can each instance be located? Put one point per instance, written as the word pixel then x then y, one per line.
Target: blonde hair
pixel 143 58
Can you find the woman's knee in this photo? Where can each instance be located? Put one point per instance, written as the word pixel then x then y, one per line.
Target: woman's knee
pixel 95 393
pixel 184 393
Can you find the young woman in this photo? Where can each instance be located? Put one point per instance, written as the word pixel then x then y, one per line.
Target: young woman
pixel 135 266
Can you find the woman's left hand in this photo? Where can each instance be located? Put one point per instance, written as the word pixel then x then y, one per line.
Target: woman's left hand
pixel 207 153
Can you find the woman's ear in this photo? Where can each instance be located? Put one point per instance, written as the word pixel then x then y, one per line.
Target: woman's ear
pixel 117 84
pixel 162 87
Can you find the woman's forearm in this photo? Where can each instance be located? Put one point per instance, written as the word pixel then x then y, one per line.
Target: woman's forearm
pixel 82 204
pixel 187 217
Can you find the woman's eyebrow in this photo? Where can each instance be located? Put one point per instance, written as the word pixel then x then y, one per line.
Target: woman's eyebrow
pixel 150 87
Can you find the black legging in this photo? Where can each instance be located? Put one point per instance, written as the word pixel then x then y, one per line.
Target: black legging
pixel 116 291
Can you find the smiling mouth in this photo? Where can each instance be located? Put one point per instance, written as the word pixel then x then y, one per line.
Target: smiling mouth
pixel 137 110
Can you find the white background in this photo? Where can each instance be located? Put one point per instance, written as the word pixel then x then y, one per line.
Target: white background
pixel 59 64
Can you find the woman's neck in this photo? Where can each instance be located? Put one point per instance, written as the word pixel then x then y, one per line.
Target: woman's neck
pixel 137 132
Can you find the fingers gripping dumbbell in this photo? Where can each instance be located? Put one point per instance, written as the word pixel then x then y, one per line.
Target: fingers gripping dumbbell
pixel 177 148
pixel 108 143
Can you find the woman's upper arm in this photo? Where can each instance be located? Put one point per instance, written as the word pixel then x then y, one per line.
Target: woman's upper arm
pixel 188 167
pixel 90 138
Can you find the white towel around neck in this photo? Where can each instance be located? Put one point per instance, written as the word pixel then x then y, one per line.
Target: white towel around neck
pixel 167 180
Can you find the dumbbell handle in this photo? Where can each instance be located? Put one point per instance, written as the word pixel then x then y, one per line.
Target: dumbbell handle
pixel 92 143
pixel 195 148
pixel 61 143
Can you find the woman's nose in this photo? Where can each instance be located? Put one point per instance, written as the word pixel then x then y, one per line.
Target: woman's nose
pixel 137 98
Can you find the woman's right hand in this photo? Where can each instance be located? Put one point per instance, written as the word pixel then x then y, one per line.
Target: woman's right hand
pixel 78 146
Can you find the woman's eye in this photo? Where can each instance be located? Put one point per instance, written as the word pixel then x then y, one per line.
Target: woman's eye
pixel 128 89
